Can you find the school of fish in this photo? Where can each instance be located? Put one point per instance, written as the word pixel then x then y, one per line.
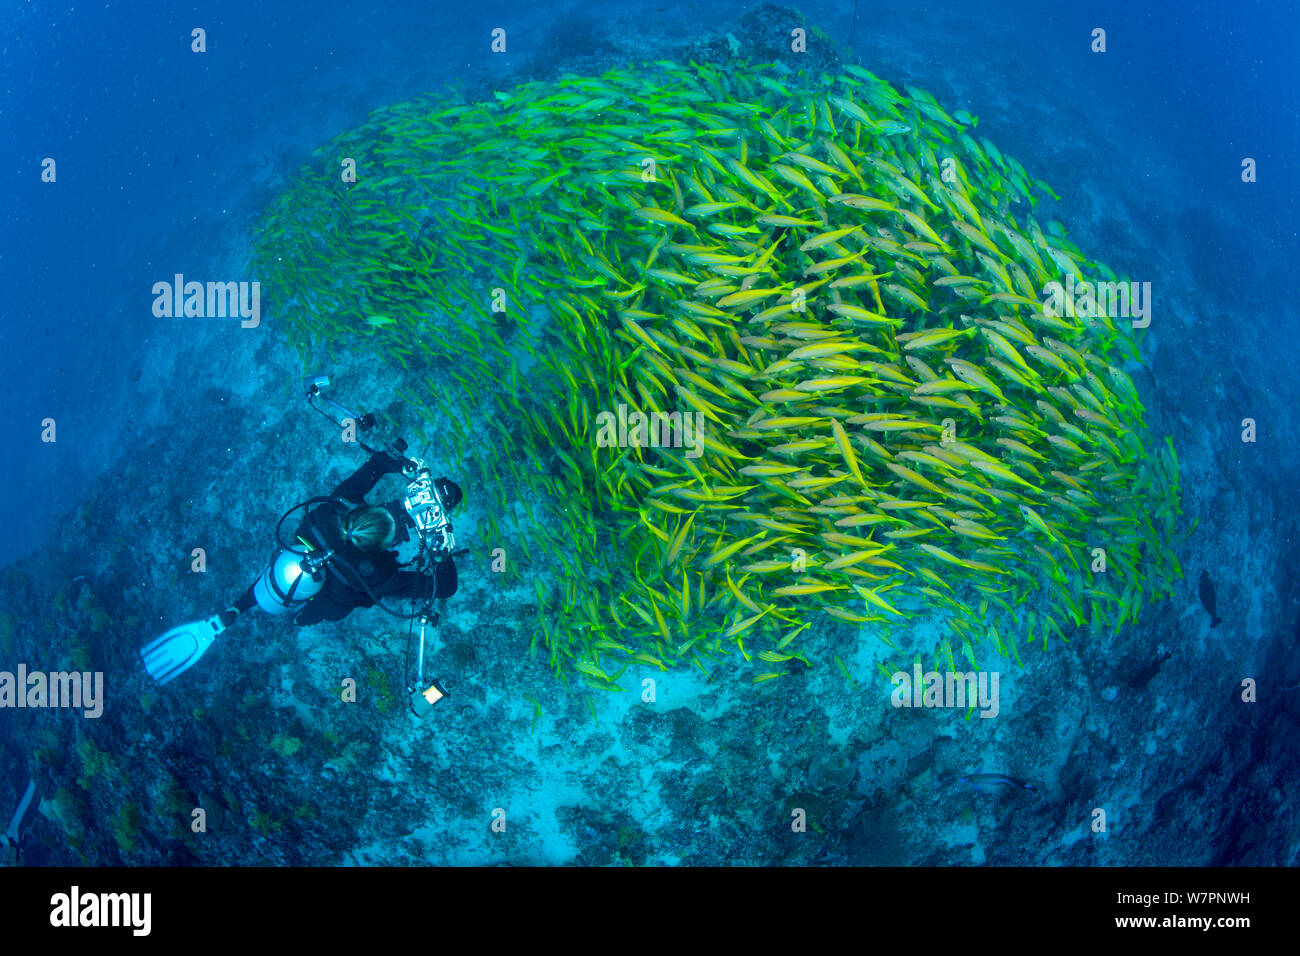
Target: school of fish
pixel 839 276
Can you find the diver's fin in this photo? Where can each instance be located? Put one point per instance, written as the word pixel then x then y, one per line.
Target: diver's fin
pixel 28 807
pixel 180 648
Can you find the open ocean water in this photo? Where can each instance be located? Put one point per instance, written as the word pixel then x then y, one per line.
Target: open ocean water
pixel 129 439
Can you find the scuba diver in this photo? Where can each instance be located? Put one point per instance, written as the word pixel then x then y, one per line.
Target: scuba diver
pixel 360 536
pixel 343 557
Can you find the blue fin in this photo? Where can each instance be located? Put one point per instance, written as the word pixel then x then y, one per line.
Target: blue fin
pixel 180 648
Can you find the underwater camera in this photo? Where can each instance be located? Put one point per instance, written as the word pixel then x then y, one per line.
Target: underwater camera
pixel 428 509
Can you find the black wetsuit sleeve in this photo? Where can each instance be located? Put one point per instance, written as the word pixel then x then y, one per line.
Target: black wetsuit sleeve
pixel 246 601
pixel 448 580
pixel 242 605
pixel 409 584
pixel 359 484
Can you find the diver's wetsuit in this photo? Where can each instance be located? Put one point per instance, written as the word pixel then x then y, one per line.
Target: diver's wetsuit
pixel 342 591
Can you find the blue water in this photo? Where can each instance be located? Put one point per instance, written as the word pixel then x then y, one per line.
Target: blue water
pixel 165 158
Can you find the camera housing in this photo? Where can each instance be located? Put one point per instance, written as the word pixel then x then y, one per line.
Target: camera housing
pixel 428 512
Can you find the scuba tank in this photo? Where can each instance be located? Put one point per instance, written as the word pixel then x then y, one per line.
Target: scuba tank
pixel 290 582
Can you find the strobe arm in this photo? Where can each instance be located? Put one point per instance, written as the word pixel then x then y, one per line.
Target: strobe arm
pixel 423 696
pixel 316 397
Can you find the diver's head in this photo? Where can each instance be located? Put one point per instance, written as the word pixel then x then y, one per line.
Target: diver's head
pixel 369 528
